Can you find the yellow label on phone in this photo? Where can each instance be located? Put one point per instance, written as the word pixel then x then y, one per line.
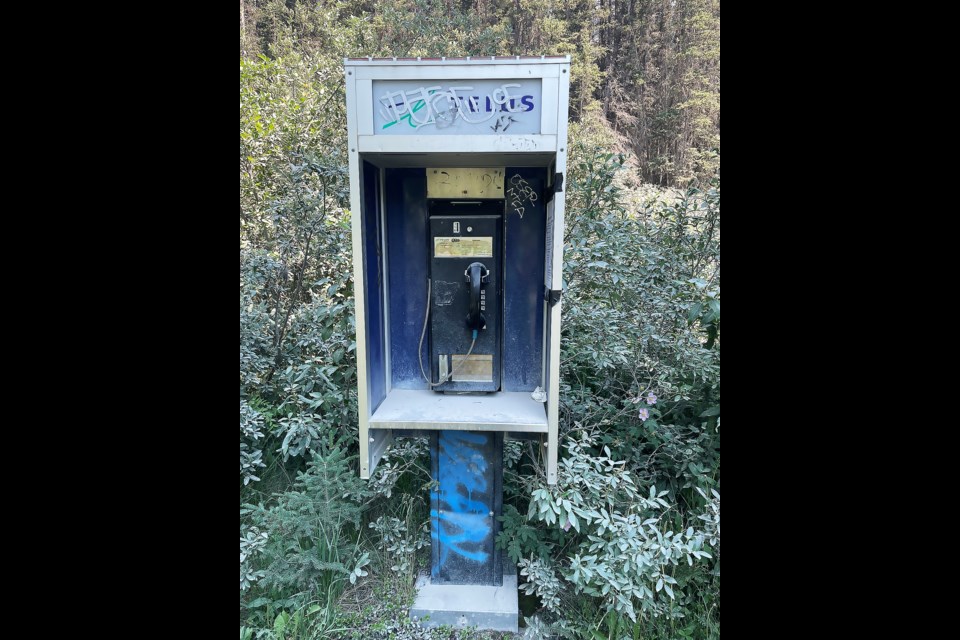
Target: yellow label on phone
pixel 463 247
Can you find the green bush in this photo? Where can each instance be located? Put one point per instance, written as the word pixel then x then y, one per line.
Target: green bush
pixel 633 525
pixel 307 542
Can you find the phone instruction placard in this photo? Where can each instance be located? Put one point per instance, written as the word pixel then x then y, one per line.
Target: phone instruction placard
pixel 463 247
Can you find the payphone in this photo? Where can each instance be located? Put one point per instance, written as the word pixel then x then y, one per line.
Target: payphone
pixel 456 178
pixel 465 292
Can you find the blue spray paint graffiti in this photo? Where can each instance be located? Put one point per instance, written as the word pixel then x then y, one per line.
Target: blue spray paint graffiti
pixel 461 512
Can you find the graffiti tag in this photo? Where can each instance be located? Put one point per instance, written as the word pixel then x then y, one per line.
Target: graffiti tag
pixel 521 194
pixel 442 107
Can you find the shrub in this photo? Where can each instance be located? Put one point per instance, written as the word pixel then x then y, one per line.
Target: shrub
pixel 312 531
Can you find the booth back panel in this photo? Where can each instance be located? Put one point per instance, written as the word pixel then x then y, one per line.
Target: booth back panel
pixel 524 249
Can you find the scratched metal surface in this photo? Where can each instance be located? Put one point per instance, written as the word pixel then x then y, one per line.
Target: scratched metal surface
pixel 372 241
pixel 524 239
pixel 457 107
pixel 468 470
pixel 411 409
pixel 449 332
pixel 406 196
pixel 524 251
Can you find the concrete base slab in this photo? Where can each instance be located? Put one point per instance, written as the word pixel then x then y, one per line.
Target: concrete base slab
pixel 486 608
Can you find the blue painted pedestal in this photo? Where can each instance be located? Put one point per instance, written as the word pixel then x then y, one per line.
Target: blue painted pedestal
pixel 469 585
pixel 466 505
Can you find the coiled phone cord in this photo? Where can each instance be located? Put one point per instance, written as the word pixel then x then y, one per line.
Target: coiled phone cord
pixel 423 334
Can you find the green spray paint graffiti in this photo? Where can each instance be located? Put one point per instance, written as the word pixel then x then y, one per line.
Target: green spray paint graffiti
pixel 418 105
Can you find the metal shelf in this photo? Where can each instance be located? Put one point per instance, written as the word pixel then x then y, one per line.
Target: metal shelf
pixel 515 412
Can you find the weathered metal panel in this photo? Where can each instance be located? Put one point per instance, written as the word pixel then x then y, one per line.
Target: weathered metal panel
pixel 406 194
pixel 554 314
pixel 372 242
pixel 462 144
pixel 360 305
pixel 479 70
pixel 457 107
pixel 465 508
pixel 482 183
pixel 524 251
pixel 427 410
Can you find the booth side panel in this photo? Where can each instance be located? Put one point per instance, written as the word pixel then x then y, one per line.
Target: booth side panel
pixel 553 412
pixel 372 243
pixel 378 440
pixel 359 279
pixel 406 198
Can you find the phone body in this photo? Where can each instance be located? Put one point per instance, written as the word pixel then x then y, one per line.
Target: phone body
pixel 467 293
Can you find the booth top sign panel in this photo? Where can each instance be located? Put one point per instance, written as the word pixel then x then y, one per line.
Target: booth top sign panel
pixel 457 107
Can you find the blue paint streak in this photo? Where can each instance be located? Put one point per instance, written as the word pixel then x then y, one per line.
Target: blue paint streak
pixel 463 497
pixel 475 529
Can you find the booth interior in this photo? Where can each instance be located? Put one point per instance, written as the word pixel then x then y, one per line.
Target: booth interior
pixel 400 195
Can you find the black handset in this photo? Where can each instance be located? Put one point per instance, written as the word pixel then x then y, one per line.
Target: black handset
pixel 477 274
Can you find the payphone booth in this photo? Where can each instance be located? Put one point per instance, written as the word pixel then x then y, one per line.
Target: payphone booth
pixel 457 173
